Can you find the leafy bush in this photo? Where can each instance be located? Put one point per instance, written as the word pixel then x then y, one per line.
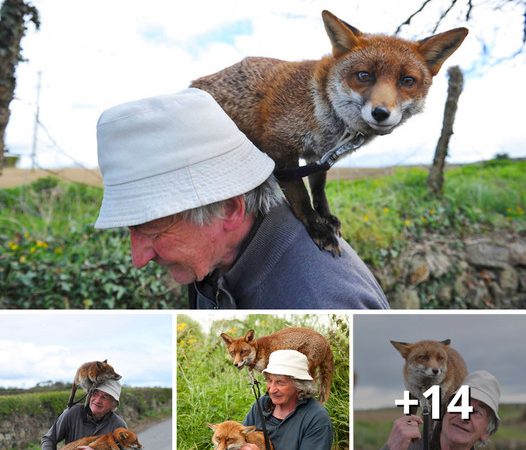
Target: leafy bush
pixel 52 257
pixel 211 390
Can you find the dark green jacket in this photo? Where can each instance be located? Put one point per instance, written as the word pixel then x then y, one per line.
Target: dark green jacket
pixel 308 427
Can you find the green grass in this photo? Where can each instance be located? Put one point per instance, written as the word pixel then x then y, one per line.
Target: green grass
pixel 372 428
pixel 211 390
pixel 52 257
pixel 379 215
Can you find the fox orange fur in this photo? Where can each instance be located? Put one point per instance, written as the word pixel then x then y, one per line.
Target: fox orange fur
pixel 119 439
pixel 246 351
pixel 91 374
pixel 429 363
pixel 232 435
pixel 291 110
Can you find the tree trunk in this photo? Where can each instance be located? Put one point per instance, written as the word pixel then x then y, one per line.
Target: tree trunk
pixel 435 180
pixel 12 29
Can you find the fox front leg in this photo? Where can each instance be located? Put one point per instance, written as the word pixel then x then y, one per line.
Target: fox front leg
pixel 319 201
pixel 319 230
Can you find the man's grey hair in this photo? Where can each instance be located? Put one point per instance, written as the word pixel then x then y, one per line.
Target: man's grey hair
pixel 305 388
pixel 490 429
pixel 259 200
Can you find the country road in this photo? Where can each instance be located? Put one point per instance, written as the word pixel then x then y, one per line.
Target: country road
pixel 158 436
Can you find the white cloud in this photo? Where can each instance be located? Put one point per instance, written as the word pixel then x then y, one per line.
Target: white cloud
pixel 52 345
pixel 96 54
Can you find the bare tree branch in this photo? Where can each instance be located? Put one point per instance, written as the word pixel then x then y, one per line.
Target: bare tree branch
pixel 408 20
pixel 443 15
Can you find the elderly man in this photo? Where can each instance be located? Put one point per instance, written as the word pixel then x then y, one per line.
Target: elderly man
pixel 200 199
pixel 293 418
pixel 79 421
pixel 453 432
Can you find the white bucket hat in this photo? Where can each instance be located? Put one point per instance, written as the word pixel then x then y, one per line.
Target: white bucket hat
pixel 163 155
pixel 288 362
pixel 111 387
pixel 485 388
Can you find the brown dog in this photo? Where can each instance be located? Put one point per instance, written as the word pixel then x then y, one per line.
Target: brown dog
pixel 119 439
pixel 254 353
pixel 231 435
pixel 91 374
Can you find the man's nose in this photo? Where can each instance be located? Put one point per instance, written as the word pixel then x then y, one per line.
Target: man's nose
pixel 141 249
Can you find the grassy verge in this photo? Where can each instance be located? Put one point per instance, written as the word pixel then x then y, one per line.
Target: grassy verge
pixel 52 257
pixel 211 390
pixel 372 428
pixel 379 215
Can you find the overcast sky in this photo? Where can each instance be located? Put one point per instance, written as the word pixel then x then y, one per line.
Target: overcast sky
pixel 51 345
pixel 93 55
pixel 494 342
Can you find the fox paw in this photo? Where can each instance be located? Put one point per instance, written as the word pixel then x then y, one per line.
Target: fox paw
pixel 324 237
pixel 334 223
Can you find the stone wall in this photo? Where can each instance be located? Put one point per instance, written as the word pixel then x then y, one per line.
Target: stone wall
pixel 486 271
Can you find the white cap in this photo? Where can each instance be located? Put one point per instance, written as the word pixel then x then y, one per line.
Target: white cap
pixel 288 362
pixel 163 155
pixel 485 388
pixel 111 387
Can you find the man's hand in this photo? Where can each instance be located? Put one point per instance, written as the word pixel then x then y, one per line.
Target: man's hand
pixel 405 429
pixel 249 447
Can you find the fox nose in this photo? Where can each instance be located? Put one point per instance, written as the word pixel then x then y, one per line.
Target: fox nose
pixel 435 371
pixel 380 113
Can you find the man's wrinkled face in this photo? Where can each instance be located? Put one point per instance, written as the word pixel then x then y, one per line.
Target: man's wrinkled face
pixel 188 251
pixel 281 390
pixel 101 403
pixel 467 432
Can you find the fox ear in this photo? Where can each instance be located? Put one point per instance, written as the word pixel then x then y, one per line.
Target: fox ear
pixel 212 426
pixel 446 342
pixel 402 347
pixel 436 49
pixel 123 435
pixel 226 338
pixel 248 429
pixel 249 336
pixel 342 35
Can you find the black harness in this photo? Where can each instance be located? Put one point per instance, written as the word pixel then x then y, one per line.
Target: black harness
pixel 257 393
pixel 347 143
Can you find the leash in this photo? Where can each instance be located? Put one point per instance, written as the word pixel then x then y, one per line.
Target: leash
pixel 257 393
pixel 425 417
pixel 347 143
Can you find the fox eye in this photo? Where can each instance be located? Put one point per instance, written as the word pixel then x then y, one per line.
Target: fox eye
pixel 364 77
pixel 407 81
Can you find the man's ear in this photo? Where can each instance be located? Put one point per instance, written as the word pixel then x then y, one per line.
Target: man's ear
pixel 234 213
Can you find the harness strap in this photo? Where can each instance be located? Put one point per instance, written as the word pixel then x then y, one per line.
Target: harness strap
pixel 425 417
pixel 257 393
pixel 347 143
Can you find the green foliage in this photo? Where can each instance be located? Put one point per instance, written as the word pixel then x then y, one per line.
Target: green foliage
pixel 53 403
pixel 372 428
pixel 380 215
pixel 211 390
pixel 52 257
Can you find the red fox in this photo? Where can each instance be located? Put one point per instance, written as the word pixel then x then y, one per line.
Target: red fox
pixel 254 353
pixel 291 110
pixel 91 374
pixel 232 435
pixel 429 363
pixel 119 439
